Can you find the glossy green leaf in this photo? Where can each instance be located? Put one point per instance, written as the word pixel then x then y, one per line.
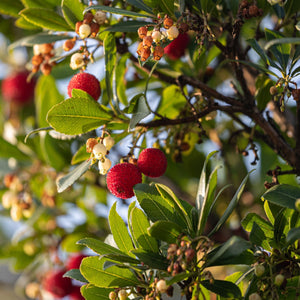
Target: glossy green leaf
pixel 127 26
pixel 223 288
pixel 279 224
pixel 233 203
pixel 11 8
pixel 293 235
pixel 118 11
pixel 140 225
pixel 264 225
pixel 119 78
pixel 46 96
pixel 234 251
pixel 167 6
pixel 262 95
pixel 258 237
pixel 119 231
pixel 155 206
pixel 80 155
pixel 72 11
pixel 45 18
pixel 254 44
pixel 92 269
pixel 77 116
pixel 75 274
pixel 121 258
pixel 153 260
pixel 91 292
pixel 37 3
pixel 141 5
pixel 8 150
pixel 166 231
pixel 22 23
pixel 64 182
pixel 36 131
pixel 279 41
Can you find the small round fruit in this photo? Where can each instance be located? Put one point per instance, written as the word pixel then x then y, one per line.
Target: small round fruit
pixel 108 142
pixel 69 44
pixel 279 279
pixel 86 82
pixel 99 151
pixel 156 36
pixel 90 144
pixel 9 198
pixel 158 52
pixel 273 90
pixel 16 88
pixel 254 296
pixel 104 166
pixel 57 285
pixel 84 31
pixel 161 286
pixel 112 295
pixel 100 17
pixel 122 294
pixel 94 29
pixel 172 32
pixel 74 261
pixel 122 178
pixel 259 270
pixel 88 17
pixel 77 61
pixel 16 212
pixel 147 41
pixel 145 54
pixel 142 32
pixel 176 48
pixel 168 22
pixel 152 162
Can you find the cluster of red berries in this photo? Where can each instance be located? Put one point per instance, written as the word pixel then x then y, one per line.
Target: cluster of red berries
pixel 41 59
pixel 249 10
pixel 152 44
pixel 124 176
pixel 55 284
pixel 85 82
pixel 16 88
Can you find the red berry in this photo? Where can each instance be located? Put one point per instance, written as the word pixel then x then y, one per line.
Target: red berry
pixel 56 284
pixel 121 178
pixel 152 162
pixel 86 82
pixel 74 261
pixel 75 294
pixel 177 47
pixel 15 88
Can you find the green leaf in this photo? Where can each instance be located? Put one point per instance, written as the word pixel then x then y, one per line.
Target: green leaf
pixel 64 182
pixel 153 260
pixel 141 5
pixel 118 11
pixel 80 155
pixel 109 46
pixel 155 206
pixel 254 44
pixel 8 150
pixel 279 224
pixel 279 41
pixel 119 231
pixel 292 236
pixel 262 93
pixel 46 96
pixel 166 231
pixel 39 38
pixel 45 18
pixel 232 205
pixel 234 251
pixel 171 108
pixel 91 292
pixel 72 11
pixel 75 274
pixel 22 23
pixel 37 3
pixel 167 6
pixel 121 258
pixel 77 116
pixel 140 224
pixel 264 225
pixel 283 195
pixel 92 269
pixel 119 78
pixel 127 26
pixel 223 288
pixel 11 8
pixel 258 237
pixel 36 131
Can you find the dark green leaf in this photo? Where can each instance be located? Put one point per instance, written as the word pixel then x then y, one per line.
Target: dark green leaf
pixel 119 79
pixel 283 195
pixel 118 11
pixel 91 292
pixel 279 224
pixel 11 8
pixel 75 274
pixel 92 269
pixel 73 11
pixel 166 231
pixel 262 94
pixel 64 182
pixel 127 26
pixel 258 237
pixel 119 231
pixel 141 5
pixel 223 288
pixel 77 116
pixel 293 235
pixel 167 6
pixel 45 18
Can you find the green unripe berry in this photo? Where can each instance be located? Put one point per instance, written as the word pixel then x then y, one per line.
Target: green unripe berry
pixel 273 90
pixel 279 279
pixel 254 296
pixel 259 270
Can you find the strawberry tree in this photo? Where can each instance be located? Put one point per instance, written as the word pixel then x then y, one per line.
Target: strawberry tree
pixel 128 98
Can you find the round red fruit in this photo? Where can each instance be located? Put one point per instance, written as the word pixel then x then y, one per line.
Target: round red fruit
pixel 16 88
pixel 177 47
pixel 56 284
pixel 85 82
pixel 152 162
pixel 75 294
pixel 74 261
pixel 122 178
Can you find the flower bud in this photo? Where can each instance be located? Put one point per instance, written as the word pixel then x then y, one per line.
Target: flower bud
pixel 69 44
pixel 84 31
pixel 259 270
pixel 172 32
pixel 254 296
pixel 99 151
pixel 108 142
pixel 100 17
pixel 77 61
pixel 168 22
pixel 16 212
pixel 90 143
pixel 279 279
pixel 104 166
pixel 122 295
pixel 147 41
pixel 112 295
pixel 158 52
pixel 161 286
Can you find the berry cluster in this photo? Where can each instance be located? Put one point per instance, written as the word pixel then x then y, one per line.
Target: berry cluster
pixel 249 10
pixel 54 284
pixel 42 58
pixel 99 148
pixel 153 42
pixel 124 176
pixel 17 199
pixel 17 88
